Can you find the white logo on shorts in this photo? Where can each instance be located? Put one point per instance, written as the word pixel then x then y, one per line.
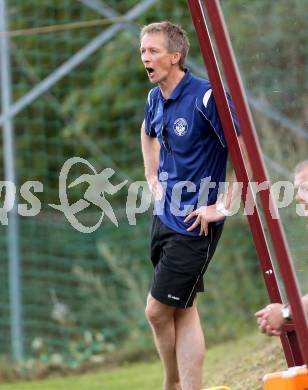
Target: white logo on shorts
pixel 180 126
pixel 170 296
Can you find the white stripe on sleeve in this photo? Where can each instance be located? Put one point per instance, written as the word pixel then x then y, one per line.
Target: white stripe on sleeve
pixel 206 97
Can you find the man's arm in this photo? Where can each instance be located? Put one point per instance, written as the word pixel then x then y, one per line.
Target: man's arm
pixel 270 318
pixel 234 190
pixel 150 151
pixel 206 214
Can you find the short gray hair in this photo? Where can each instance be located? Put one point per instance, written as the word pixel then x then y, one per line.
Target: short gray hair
pixel 177 39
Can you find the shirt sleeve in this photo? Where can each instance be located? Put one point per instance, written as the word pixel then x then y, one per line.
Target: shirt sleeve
pixel 148 113
pixel 210 111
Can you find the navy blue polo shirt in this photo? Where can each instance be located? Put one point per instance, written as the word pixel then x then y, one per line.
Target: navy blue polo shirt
pixel 193 152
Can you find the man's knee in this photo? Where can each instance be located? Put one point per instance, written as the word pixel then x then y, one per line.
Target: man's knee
pixel 157 313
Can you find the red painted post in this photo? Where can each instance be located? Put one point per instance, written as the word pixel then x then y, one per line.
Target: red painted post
pixel 291 352
pixel 278 239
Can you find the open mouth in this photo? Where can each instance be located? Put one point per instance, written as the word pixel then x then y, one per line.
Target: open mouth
pixel 150 71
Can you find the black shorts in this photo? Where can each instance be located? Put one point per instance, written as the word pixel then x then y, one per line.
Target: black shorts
pixel 180 262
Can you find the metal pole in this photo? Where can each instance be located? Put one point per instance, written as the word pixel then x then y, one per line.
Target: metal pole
pixel 224 112
pixel 9 168
pixel 77 59
pixel 275 227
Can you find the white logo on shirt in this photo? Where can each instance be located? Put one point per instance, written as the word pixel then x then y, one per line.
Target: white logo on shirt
pixel 180 126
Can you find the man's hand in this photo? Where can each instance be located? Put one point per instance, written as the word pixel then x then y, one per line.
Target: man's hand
pixel 155 187
pixel 205 215
pixel 270 319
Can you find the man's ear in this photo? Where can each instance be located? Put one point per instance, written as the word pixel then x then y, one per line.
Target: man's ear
pixel 175 58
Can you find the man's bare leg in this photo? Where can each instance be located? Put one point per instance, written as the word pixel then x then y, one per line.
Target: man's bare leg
pixel 190 347
pixel 161 319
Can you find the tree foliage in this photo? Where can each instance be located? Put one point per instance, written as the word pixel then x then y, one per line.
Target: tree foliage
pixel 95 112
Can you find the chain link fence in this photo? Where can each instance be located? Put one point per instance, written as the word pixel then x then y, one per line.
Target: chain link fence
pixel 78 89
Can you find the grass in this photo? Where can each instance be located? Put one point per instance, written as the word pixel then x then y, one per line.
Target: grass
pixel 240 364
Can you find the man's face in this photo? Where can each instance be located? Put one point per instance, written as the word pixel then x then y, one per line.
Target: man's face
pixel 301 185
pixel 155 56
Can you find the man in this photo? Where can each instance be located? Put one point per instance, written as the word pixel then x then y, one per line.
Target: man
pixel 301 185
pixel 185 155
pixel 272 318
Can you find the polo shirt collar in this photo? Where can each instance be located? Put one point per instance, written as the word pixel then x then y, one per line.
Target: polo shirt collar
pixel 181 85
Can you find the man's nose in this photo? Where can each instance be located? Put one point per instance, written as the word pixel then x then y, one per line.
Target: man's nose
pixel 145 57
